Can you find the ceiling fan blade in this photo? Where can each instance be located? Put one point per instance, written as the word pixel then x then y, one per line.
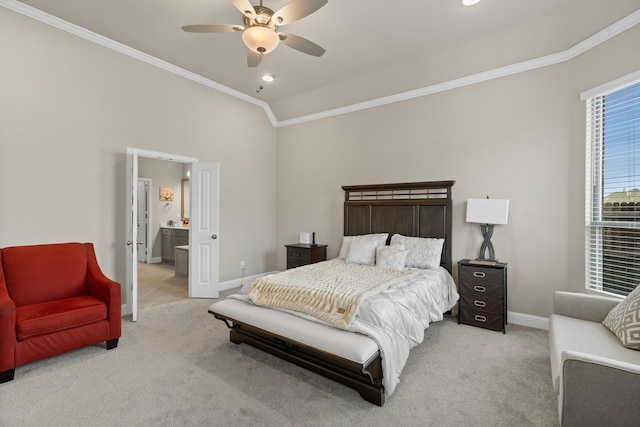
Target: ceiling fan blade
pixel 213 28
pixel 253 58
pixel 301 44
pixel 296 9
pixel 245 7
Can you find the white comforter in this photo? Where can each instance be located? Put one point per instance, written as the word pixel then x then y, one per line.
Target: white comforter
pixel 397 317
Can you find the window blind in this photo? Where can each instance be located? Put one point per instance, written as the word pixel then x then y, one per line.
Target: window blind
pixel 612 214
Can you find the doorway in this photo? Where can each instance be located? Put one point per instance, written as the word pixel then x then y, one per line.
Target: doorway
pixel 203 244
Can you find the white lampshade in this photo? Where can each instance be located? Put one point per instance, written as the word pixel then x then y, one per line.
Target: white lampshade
pixel 487 211
pixel 260 39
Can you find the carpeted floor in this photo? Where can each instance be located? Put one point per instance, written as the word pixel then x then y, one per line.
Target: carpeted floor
pixel 176 367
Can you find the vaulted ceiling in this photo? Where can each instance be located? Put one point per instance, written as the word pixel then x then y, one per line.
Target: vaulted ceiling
pixel 374 49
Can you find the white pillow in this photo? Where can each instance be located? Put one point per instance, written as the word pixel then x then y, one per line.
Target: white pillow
pixel 421 252
pixel 392 257
pixel 380 238
pixel 362 251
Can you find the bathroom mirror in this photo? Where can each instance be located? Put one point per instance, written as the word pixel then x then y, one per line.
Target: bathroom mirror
pixel 184 210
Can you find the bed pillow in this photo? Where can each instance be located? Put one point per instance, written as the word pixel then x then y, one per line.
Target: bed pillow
pixel 624 320
pixel 362 251
pixel 421 252
pixel 392 257
pixel 380 238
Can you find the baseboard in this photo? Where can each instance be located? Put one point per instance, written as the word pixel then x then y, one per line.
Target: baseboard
pixel 528 320
pixel 156 260
pixel 236 283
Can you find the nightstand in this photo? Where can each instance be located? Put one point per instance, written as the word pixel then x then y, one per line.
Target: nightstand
pixel 483 295
pixel 300 254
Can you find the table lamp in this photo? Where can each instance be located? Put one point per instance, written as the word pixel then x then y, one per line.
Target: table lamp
pixel 487 212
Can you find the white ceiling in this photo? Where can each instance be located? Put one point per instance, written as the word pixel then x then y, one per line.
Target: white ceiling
pixel 374 48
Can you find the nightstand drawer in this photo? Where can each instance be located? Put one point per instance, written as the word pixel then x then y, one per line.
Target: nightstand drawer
pixel 301 254
pixel 481 290
pixel 480 303
pixel 482 319
pixel 298 255
pixel 483 276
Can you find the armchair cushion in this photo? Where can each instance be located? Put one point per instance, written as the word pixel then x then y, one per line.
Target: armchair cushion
pixel 624 320
pixel 42 273
pixel 58 315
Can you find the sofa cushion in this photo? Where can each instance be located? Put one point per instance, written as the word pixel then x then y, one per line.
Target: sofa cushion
pixel 568 333
pixel 40 273
pixel 58 315
pixel 624 320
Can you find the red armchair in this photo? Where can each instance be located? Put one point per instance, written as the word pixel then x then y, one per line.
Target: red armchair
pixel 53 299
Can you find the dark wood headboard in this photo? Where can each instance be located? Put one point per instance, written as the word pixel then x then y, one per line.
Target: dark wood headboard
pixel 417 209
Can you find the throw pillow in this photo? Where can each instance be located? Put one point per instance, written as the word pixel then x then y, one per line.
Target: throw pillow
pixel 380 238
pixel 362 251
pixel 624 320
pixel 422 252
pixel 392 257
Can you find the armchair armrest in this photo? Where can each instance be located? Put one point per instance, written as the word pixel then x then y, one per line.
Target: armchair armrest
pixel 593 308
pixel 588 383
pixel 106 290
pixel 7 326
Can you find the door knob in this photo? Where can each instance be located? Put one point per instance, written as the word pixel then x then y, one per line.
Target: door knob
pixel 214 236
pixel 129 243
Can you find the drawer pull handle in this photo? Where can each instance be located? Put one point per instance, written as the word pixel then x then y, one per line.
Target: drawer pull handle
pixel 479 288
pixel 479 303
pixel 480 318
pixel 479 274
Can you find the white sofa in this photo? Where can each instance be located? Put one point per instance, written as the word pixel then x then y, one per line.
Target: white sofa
pixel 596 379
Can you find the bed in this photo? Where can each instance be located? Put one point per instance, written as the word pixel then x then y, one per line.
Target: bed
pixel 356 355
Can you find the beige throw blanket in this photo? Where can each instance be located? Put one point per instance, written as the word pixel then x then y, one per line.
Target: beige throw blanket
pixel 331 291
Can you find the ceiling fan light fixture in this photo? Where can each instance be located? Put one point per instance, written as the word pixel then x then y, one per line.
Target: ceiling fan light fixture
pixel 260 39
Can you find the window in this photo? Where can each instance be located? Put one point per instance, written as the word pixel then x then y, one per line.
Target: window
pixel 613 189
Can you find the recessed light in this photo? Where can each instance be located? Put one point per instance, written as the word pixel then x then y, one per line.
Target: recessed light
pixel 267 78
pixel 470 2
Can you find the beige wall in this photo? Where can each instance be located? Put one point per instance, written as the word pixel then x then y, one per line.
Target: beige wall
pixel 520 137
pixel 68 111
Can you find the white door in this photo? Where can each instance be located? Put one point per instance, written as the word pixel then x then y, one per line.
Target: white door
pixel 204 240
pixel 132 232
pixel 143 219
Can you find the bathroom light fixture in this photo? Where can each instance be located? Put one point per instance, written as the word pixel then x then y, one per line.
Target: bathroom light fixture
pixel 267 78
pixel 470 2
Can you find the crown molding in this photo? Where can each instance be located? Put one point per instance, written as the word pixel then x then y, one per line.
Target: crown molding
pixel 589 43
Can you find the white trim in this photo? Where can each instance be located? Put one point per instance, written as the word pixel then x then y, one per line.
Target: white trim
pixel 529 320
pixel 237 283
pixel 161 155
pixel 612 86
pixel 600 37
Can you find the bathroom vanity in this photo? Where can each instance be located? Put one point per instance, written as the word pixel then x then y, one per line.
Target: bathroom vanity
pixel 170 238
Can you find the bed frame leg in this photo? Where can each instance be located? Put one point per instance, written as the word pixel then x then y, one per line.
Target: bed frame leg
pixel 234 337
pixel 373 396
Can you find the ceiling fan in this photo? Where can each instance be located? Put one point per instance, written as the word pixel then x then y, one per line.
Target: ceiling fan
pixel 259 32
